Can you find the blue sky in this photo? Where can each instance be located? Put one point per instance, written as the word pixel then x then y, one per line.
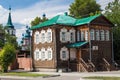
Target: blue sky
pixel 23 11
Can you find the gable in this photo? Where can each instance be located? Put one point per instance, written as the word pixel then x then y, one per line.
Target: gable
pixel 101 20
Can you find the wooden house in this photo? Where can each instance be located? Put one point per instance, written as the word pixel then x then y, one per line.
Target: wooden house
pixel 64 43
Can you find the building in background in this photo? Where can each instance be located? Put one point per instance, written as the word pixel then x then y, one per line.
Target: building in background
pixel 69 44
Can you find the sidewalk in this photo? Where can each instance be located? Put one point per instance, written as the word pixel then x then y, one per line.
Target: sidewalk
pixel 66 76
pixel 83 74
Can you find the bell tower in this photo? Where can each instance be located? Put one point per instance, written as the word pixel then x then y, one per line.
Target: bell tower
pixel 9 26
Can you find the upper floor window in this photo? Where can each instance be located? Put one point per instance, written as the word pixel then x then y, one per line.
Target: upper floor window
pixel 37 37
pixel 63 34
pixel 49 36
pixel 72 35
pixel 107 35
pixel 42 36
pixel 64 53
pixel 102 34
pixel 86 35
pixel 82 36
pixel 92 34
pixel 97 35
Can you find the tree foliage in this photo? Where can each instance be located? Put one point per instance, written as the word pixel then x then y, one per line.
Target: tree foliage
pixel 38 20
pixel 11 39
pixel 7 56
pixel 1 36
pixel 83 8
pixel 112 12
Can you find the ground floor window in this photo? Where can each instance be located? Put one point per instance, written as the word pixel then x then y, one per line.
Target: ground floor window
pixel 64 54
pixel 36 55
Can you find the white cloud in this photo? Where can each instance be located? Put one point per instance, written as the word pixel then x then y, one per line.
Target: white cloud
pixel 104 3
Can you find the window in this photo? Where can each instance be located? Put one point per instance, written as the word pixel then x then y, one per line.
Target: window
pixel 82 36
pixel 78 35
pixel 49 36
pixel 107 33
pixel 94 47
pixel 102 35
pixel 49 54
pixel 72 53
pixel 43 54
pixel 37 37
pixel 36 55
pixel 43 36
pixel 86 35
pixel 63 34
pixel 97 35
pixel 64 54
pixel 92 35
pixel 72 35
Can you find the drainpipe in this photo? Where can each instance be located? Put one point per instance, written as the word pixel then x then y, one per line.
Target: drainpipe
pixel 112 49
pixel 90 57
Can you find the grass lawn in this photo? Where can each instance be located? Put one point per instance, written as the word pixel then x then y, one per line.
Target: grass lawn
pixel 23 74
pixel 103 78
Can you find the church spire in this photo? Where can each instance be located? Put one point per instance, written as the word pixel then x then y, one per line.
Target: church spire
pixel 9 26
pixel 9 22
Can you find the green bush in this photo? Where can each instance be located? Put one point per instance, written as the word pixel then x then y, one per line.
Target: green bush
pixel 7 56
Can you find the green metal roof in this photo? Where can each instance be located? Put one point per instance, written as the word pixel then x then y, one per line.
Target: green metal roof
pixel 86 20
pixel 59 19
pixel 65 20
pixel 76 45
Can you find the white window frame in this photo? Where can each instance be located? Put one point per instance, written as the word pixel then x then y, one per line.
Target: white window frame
pixel 43 38
pixel 64 49
pixel 51 54
pixel 102 35
pixel 107 35
pixel 86 35
pixel 36 55
pixel 43 54
pixel 68 36
pixel 72 37
pixel 37 37
pixel 63 37
pixel 97 35
pixel 49 35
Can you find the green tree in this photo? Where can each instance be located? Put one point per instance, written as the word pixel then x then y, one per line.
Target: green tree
pixel 2 32
pixel 83 8
pixel 38 20
pixel 112 12
pixel 7 56
pixel 35 21
pixel 11 39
